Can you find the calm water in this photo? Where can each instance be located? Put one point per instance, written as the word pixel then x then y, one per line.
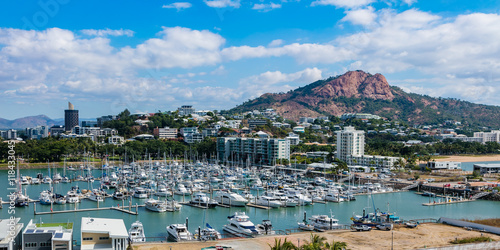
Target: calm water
pixel 469 166
pixel 407 205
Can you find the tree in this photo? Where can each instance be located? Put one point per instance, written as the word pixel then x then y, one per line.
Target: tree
pixel 336 245
pixel 286 245
pixel 316 243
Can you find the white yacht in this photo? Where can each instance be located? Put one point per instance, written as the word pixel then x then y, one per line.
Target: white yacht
pixel 95 195
pixel 140 193
pixel 181 190
pixel 268 201
pixel 179 232
pixel 208 233
pixel 323 222
pixel 298 197
pixel 266 228
pixel 57 178
pixel 201 199
pixel 162 191
pixel 136 232
pixel 35 181
pixel 46 198
pixel 46 180
pixel 156 205
pixel 230 199
pixel 239 224
pixel 333 197
pixel 24 180
pixel 119 194
pixel 72 197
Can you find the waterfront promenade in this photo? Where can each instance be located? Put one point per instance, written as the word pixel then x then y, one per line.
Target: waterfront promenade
pixel 424 236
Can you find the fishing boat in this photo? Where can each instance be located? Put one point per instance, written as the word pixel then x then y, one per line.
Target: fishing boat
pixel 179 232
pixel 240 224
pixel 136 232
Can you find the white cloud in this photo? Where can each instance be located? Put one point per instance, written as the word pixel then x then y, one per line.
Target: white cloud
pixel 178 6
pixel 409 2
pixel 364 17
pixel 276 43
pixel 222 3
pixel 343 3
pixel 269 82
pixel 266 7
pixel 108 32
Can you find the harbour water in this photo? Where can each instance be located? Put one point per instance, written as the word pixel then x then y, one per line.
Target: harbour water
pixel 407 205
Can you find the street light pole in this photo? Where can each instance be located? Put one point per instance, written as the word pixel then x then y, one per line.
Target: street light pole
pixel 392 244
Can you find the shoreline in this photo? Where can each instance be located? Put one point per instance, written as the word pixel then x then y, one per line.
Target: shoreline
pixel 468 158
pixel 424 236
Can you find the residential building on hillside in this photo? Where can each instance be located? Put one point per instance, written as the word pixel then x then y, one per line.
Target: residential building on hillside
pixel 299 129
pixel 252 123
pixel 101 120
pixel 493 136
pixel 293 138
pixel 186 110
pixel 193 137
pixel 89 123
pixel 260 151
pixel 165 133
pixel 210 132
pixel 188 130
pixel 116 140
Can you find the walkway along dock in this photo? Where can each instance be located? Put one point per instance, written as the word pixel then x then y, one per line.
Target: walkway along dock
pixel 123 209
pixel 447 200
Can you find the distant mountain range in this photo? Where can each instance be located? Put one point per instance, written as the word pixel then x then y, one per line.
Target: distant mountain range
pixel 361 92
pixel 28 122
pixel 33 121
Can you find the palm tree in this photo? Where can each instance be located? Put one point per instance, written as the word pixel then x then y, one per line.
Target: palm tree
pixel 336 245
pixel 316 243
pixel 286 245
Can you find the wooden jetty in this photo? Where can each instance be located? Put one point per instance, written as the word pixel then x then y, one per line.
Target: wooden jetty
pixel 258 206
pixel 121 209
pixel 446 201
pixel 193 205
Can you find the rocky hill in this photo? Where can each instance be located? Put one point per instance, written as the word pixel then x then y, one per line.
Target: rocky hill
pixel 28 122
pixel 361 92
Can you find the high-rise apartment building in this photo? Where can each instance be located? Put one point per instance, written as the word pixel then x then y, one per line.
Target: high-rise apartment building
pixel 70 117
pixel 350 142
pixel 260 151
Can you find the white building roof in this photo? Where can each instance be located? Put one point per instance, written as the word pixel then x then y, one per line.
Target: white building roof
pixel 115 227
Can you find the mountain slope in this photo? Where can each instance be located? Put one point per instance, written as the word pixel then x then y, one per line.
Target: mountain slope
pixel 361 92
pixel 28 122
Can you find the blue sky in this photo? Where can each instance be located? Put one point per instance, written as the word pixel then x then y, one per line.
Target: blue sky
pixel 105 56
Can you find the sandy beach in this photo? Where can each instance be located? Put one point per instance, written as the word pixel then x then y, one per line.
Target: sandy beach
pixel 471 158
pixel 426 235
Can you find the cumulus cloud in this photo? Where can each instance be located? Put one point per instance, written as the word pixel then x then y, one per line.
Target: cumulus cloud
pixel 276 43
pixel 178 6
pixel 269 82
pixel 266 7
pixel 364 17
pixel 343 3
pixel 108 32
pixel 222 3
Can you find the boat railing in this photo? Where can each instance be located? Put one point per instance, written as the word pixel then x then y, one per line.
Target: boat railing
pixel 420 221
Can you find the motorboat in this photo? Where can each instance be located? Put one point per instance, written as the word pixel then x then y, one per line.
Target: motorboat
pixel 179 232
pixel 35 181
pixel 57 178
pixel 162 191
pixel 46 180
pixel 156 205
pixel 95 195
pixel 207 233
pixel 20 200
pixel 45 197
pixel 333 197
pixel 239 224
pixel 119 194
pixel 59 199
pixel 65 179
pixel 72 196
pixel 230 198
pixel 268 201
pixel 140 193
pixel 136 232
pixel 323 222
pixel 305 226
pixel 24 180
pixel 201 199
pixel 266 228
pixel 181 190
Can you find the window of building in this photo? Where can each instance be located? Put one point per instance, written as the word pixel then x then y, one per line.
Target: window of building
pixel 88 238
pixel 103 238
pixel 45 244
pixel 30 244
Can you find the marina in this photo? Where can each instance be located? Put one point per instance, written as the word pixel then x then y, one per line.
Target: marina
pixel 169 193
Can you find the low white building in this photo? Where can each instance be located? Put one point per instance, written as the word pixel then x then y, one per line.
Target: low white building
pixel 444 165
pixel 116 140
pixel 487 168
pixel 101 233
pixel 10 239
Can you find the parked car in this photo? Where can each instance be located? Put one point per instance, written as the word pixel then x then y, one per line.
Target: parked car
pixel 384 227
pixel 362 228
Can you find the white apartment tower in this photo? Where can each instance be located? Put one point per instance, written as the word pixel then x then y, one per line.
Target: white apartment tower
pixel 350 142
